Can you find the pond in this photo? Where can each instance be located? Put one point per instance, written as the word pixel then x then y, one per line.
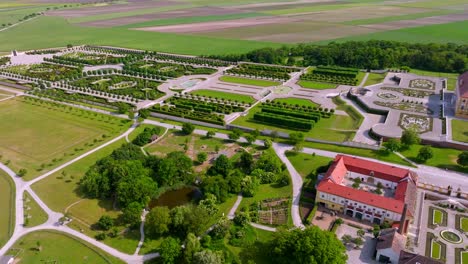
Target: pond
pixel 178 197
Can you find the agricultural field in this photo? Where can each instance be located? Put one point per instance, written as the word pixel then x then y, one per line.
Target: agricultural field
pixel 50 249
pixel 460 130
pixel 7 205
pixel 38 135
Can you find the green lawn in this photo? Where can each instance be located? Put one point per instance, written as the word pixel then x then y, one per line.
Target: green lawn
pixel 443 157
pixel 464 224
pixel 435 250
pixel 33 213
pixel 57 247
pixel 437 217
pixel 39 136
pixel 246 81
pixel 34 35
pixel 316 85
pixel 297 101
pixel 65 182
pixel 337 128
pixel 7 207
pixel 307 164
pixel 464 257
pixel 225 96
pixel 266 191
pixel 460 130
pixel 374 78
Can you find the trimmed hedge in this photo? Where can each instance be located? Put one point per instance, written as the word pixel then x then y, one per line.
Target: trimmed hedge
pixel 288 121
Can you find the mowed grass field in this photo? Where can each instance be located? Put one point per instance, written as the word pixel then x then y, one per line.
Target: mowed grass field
pixel 57 248
pixel 225 96
pixel 39 136
pixel 33 213
pixel 460 130
pixel 7 207
pixel 444 158
pixel 247 81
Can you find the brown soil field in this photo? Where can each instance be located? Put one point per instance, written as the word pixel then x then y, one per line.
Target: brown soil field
pixel 106 9
pixel 218 25
pixel 286 5
pixel 189 12
pixel 419 22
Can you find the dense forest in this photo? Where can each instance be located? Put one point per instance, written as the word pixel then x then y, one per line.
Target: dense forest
pixel 374 54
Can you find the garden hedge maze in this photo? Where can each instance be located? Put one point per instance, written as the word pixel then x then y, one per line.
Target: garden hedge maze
pixel 262 71
pixel 170 70
pixel 121 85
pixel 332 74
pixel 290 116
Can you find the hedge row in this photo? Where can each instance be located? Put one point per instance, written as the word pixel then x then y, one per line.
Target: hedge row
pixel 204 106
pixel 194 115
pixel 289 107
pixel 308 116
pixel 329 78
pixel 284 121
pixel 189 60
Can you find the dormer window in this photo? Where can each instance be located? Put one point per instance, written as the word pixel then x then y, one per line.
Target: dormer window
pixel 371 173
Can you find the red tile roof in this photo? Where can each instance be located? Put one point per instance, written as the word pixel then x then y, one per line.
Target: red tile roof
pixel 463 85
pixel 405 191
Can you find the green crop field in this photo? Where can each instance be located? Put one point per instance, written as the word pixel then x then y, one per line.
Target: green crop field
pixel 30 35
pixel 254 82
pixel 38 136
pixel 296 101
pixel 400 17
pixel 7 206
pixel 316 85
pixel 224 95
pixel 33 213
pixel 52 249
pixel 460 130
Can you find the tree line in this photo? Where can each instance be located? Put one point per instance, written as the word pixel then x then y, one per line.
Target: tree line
pixel 373 54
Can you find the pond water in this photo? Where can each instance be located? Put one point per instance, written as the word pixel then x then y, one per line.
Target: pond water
pixel 178 197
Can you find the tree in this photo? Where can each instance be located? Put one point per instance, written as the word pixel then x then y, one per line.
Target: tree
pixel 222 165
pixel 201 157
pixel 132 214
pixel 410 137
pixel 131 114
pixel 105 222
pixel 376 231
pixel 157 221
pixel 242 218
pixel 463 159
pixel 392 145
pixel 192 246
pixel 209 204
pixel 208 257
pixel 144 113
pixel 361 232
pixel 22 172
pixel 188 128
pixel 425 153
pixel 311 245
pixel 250 139
pixel 210 134
pixel 122 108
pixel 358 241
pixel 246 162
pixel 250 186
pixel 170 250
pixel 235 134
pixel 267 143
pixel 217 186
pixel 296 138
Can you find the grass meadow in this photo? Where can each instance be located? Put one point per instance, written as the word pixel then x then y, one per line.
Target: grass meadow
pixel 33 213
pixel 460 130
pixel 444 158
pixel 57 247
pixel 38 136
pixel 7 207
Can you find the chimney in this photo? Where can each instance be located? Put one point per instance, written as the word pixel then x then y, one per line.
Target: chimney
pixel 403 219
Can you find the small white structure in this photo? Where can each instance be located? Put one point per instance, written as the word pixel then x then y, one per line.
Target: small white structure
pixel 389 245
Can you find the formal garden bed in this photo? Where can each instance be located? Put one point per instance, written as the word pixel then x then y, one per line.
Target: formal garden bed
pixel 422 84
pixel 461 223
pixel 121 85
pixel 272 211
pixel 387 96
pixel 435 248
pixel 451 237
pixel 421 124
pixel 171 70
pixel 411 106
pixel 4 60
pixel 332 74
pixel 437 217
pixel 87 58
pixel 409 92
pixel 262 71
pixel 46 71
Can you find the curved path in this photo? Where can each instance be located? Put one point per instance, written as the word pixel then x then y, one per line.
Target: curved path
pixel 53 221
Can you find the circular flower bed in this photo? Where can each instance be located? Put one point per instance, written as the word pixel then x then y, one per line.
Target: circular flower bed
pixel 451 237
